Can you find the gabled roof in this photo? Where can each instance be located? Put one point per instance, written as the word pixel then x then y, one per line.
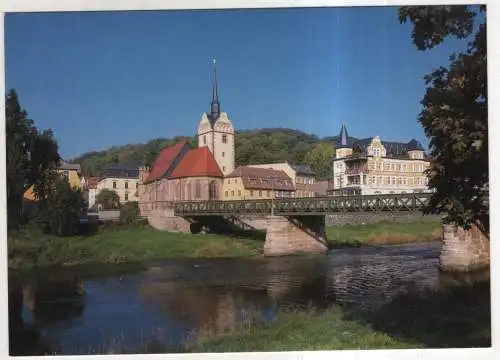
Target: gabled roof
pixel 263 178
pixel 197 162
pixel 165 160
pixel 393 149
pixel 124 167
pixel 67 166
pixel 92 182
pixel 303 169
pixel 121 171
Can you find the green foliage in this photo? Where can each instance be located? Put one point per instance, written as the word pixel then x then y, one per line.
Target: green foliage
pixel 275 145
pixel 455 113
pixel 60 206
pixel 320 159
pixel 29 152
pixel 109 199
pixel 129 212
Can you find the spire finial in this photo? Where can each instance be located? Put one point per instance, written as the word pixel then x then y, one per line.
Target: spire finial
pixel 215 105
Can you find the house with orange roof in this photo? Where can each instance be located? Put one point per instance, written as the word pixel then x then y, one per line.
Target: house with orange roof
pixel 252 183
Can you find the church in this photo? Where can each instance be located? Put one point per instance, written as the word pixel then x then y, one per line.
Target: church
pixel 181 172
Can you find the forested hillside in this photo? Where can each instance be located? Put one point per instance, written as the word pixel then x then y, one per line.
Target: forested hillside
pixel 252 147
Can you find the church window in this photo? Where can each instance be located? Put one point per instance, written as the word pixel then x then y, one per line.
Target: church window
pixel 114 184
pixel 239 192
pixel 227 193
pixel 223 168
pixel 260 193
pixel 204 139
pixel 223 153
pixel 126 184
pixel 232 193
pixel 224 138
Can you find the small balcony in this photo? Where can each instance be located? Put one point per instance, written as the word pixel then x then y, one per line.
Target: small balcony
pixel 355 170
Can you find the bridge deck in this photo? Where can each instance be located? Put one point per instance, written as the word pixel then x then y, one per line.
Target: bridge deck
pixel 304 206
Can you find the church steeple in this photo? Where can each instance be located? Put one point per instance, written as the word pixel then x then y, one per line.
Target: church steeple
pixel 215 105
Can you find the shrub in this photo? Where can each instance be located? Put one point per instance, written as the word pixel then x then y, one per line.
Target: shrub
pixel 129 212
pixel 60 208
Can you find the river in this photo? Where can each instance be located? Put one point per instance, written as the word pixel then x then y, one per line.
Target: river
pixel 95 309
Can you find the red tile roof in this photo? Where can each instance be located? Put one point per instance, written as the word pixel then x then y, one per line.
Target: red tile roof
pixel 263 179
pixel 197 162
pixel 164 161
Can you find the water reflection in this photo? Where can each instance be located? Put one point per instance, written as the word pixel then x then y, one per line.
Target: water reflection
pixel 170 302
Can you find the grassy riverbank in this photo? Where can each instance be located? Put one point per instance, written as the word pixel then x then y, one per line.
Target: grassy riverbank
pixel 456 317
pixel 301 331
pixel 28 249
pixel 384 233
pixel 31 249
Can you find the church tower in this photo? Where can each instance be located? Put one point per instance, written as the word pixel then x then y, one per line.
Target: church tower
pixel 216 132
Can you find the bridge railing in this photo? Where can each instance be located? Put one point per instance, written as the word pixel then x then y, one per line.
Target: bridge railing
pixel 305 206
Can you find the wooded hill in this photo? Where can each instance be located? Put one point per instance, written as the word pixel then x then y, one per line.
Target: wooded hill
pixel 258 146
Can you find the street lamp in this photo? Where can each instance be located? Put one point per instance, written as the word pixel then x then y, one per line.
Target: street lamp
pixel 272 195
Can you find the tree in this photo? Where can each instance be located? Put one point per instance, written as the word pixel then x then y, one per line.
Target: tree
pixel 109 199
pixel 60 206
pixel 30 153
pixel 320 159
pixel 455 113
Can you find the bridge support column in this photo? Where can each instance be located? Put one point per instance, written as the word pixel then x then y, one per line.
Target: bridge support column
pixel 464 250
pixel 166 220
pixel 301 234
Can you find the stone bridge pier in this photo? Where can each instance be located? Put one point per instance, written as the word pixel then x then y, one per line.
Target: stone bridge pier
pixel 288 235
pixel 464 250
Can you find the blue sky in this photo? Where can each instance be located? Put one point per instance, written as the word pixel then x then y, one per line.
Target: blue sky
pixel 103 79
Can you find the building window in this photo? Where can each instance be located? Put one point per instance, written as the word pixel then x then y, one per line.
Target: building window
pixel 227 193
pixel 204 139
pixel 251 192
pixel 223 153
pixel 114 184
pixel 260 193
pixel 232 193
pixel 126 196
pixel 66 174
pixel 268 193
pixel 224 138
pixel 137 185
pixel 197 189
pixel 223 168
pixel 126 184
pixel 229 181
pixel 239 192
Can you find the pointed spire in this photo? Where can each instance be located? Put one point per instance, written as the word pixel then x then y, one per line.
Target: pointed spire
pixel 344 137
pixel 215 105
